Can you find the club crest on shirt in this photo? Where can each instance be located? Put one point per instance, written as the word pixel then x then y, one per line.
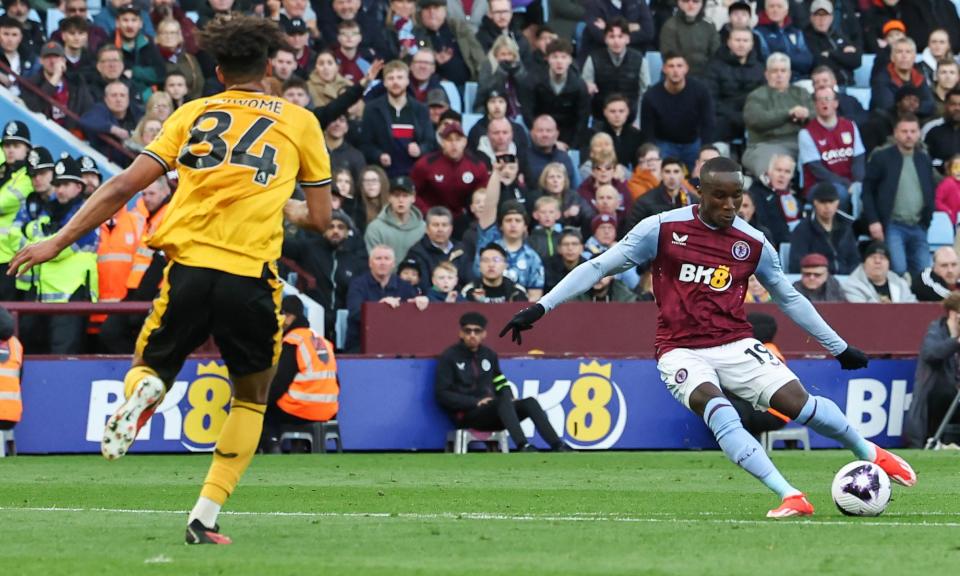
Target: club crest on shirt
pixel 740 250
pixel 681 376
pixel 846 138
pixel 467 177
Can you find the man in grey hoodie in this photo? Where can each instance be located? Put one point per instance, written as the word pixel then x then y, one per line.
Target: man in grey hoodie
pixel 400 224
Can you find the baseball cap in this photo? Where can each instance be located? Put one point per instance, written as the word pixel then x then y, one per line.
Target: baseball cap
pixel 601 219
pixel 494 94
pixel 497 248
pixel 128 9
pixel 408 263
pixel 402 183
pixel 893 25
pixel 814 260
pixel 825 5
pixel 39 159
pixel 16 131
pixel 473 319
pixel 511 207
pixel 876 247
pixel 295 26
pixel 67 170
pixel 452 128
pixel 824 192
pixel 292 305
pixel 437 97
pixel 51 49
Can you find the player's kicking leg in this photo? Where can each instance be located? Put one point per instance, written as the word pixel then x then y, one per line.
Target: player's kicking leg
pixel 144 392
pixel 824 416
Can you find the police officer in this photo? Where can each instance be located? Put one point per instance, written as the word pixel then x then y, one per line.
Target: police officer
pixel 72 276
pixel 15 186
pixel 91 174
pixel 473 391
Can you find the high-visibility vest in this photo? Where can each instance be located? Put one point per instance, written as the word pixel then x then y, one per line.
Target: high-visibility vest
pixel 56 280
pixel 13 195
pixel 143 256
pixel 314 391
pixel 11 360
pixel 115 253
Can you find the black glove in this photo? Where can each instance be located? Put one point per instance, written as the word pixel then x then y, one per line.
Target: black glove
pixel 523 320
pixel 852 359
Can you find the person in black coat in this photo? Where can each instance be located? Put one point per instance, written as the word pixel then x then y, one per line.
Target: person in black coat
pixel 938 281
pixel 598 12
pixel 733 73
pixel 570 107
pixel 470 387
pixel 436 246
pixel 828 45
pixel 333 258
pixel 825 233
pixel 777 204
pixel 499 21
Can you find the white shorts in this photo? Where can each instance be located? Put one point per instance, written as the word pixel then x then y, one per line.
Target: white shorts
pixel 745 368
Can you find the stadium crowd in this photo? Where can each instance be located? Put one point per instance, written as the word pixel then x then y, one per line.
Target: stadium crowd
pixel 483 149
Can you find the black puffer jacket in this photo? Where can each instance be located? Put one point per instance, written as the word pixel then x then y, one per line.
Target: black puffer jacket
pixel 730 82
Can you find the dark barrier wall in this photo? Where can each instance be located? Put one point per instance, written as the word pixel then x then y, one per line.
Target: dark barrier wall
pixel 578 328
pixel 595 403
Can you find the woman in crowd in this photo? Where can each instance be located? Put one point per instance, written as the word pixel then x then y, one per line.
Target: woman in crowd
pixel 170 45
pixel 159 106
pixel 503 72
pixel 938 49
pixel 374 189
pixel 575 211
pixel 326 82
pixel 601 143
pixel 603 172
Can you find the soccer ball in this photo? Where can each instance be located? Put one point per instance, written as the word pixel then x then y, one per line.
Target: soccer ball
pixel 861 488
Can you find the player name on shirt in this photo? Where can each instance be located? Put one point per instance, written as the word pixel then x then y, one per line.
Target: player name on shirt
pixel 275 106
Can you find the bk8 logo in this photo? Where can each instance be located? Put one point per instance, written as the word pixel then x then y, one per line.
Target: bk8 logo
pixel 599 412
pixel 717 279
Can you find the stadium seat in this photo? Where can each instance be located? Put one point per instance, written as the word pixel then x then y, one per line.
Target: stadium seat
pixel 469 97
pixel 453 95
pixel 6 437
pixel 316 435
pixel 458 441
pixel 861 76
pixel 470 120
pixel 861 94
pixel 575 158
pixel 785 256
pixel 798 433
pixel 655 65
pixel 940 232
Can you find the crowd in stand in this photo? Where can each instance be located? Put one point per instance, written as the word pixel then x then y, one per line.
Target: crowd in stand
pixel 482 149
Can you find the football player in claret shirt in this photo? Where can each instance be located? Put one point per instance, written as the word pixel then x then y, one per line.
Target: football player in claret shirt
pixel 702 257
pixel 239 155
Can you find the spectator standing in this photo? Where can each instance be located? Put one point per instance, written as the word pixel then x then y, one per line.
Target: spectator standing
pixel 473 391
pixel 774 115
pixel 777 204
pixel 492 286
pixel 898 198
pixel 816 283
pixel 59 83
pixel 333 258
pixel 597 13
pixel 448 176
pixel 940 280
pixel 831 150
pixel 943 141
pixel 688 34
pixel 305 388
pixel 436 246
pixel 829 46
pixel 936 379
pixel 379 284
pixel 562 95
pixel 777 33
pixel 72 277
pixel 396 128
pixel 15 188
pixel 899 71
pixel 565 17
pixel 615 69
pixel 668 195
pixel 471 12
pixel 677 114
pixel 400 224
pixel 874 282
pixel 11 362
pixel 825 234
pixel 459 54
pixel 733 73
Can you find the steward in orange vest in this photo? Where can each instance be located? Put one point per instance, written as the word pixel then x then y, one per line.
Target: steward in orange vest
pixel 305 389
pixel 118 333
pixel 11 363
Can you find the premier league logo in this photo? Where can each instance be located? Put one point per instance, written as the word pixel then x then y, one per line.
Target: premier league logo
pixel 681 376
pixel 740 250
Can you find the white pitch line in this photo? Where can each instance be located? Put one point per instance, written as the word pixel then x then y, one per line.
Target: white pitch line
pixel 506 517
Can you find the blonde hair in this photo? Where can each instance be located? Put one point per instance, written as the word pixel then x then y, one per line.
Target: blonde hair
pixel 445 265
pixel 503 41
pixel 542 181
pixel 544 200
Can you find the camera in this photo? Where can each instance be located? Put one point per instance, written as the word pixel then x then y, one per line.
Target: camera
pixel 507 158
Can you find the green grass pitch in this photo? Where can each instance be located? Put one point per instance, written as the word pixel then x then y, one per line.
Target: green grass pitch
pixel 631 513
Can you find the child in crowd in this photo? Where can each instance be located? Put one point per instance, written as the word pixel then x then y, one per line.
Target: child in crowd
pixel 409 272
pixel 444 289
pixel 948 192
pixel 545 235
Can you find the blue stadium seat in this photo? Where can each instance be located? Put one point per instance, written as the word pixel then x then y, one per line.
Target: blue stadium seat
pixel 469 96
pixel 469 120
pixel 574 158
pixel 861 94
pixel 655 66
pixel 940 232
pixel 785 257
pixel 861 76
pixel 453 95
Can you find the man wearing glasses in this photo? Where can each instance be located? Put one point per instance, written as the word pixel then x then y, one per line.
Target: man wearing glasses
pixel 816 282
pixel 470 387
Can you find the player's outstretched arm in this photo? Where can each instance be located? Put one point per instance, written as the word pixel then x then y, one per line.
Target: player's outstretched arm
pixel 104 203
pixel 802 312
pixel 312 214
